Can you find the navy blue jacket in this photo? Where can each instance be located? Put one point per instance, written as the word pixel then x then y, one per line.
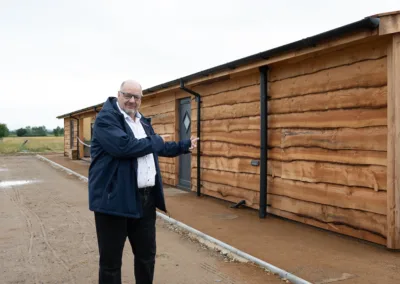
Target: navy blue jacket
pixel 113 170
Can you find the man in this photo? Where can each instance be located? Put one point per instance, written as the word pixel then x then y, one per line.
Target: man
pixel 125 185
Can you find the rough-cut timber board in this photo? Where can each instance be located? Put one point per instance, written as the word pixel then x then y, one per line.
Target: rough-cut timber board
pixel 344 56
pixel 238 165
pixel 349 197
pixel 164 128
pixel 371 73
pixel 246 137
pixel 234 83
pixel 167 168
pixel 350 98
pixel 158 109
pixel 370 138
pixel 365 176
pixel 166 160
pixel 229 111
pixel 228 125
pixel 337 228
pixel 229 150
pixel 243 95
pixel 163 118
pixel 321 155
pixel 352 118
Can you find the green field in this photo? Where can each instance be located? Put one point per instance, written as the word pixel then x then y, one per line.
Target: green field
pixel 9 145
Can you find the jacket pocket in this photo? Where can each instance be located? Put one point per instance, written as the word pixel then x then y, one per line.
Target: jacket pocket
pixel 111 187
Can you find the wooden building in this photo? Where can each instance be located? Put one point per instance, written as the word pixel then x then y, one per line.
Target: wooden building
pixel 309 131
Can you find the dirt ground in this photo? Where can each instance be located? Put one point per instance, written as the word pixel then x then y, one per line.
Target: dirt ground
pixel 48 235
pixel 316 255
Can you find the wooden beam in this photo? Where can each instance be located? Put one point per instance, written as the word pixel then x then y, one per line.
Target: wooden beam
pixel 379 15
pixel 81 137
pixel 389 24
pixel 393 142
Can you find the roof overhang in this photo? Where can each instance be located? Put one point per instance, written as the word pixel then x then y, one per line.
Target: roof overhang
pixel 80 111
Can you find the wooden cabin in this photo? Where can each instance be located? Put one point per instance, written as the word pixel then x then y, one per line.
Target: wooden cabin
pixel 309 131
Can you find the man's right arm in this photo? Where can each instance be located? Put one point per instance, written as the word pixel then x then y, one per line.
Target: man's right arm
pixel 118 143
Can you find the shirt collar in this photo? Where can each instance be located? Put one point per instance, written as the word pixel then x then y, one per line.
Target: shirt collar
pixel 138 115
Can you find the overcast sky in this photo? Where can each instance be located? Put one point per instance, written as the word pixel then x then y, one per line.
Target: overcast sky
pixel 61 56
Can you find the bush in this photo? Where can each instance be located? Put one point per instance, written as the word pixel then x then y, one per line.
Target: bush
pixel 58 131
pixel 3 130
pixel 21 132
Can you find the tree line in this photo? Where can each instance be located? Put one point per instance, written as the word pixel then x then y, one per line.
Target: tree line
pixel 30 131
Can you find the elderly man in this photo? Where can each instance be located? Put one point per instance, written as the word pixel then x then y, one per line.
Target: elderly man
pixel 125 185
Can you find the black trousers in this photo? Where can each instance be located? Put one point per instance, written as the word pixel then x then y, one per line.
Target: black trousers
pixel 111 236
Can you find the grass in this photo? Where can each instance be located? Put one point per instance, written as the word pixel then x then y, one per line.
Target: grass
pixel 10 145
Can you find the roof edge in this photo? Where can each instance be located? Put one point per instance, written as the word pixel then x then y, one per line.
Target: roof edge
pixel 385 14
pixel 79 111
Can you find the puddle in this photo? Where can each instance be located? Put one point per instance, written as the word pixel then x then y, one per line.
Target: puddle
pixel 3 169
pixel 10 183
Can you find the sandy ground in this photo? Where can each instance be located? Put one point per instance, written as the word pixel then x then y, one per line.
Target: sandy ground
pixel 48 236
pixel 316 255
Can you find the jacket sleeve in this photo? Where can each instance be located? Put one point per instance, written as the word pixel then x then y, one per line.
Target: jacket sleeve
pixel 173 149
pixel 118 143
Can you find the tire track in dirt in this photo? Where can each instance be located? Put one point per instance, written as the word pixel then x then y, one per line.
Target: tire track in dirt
pixel 17 202
pixel 90 222
pixel 44 234
pixel 60 259
pixel 75 219
pixel 17 199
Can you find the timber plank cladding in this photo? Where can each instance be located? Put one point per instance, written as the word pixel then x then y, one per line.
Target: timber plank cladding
pixel 327 120
pixel 333 125
pixel 334 175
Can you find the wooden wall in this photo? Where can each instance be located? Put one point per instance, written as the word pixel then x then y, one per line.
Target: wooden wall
pixel 67 131
pixel 230 138
pixel 327 118
pixel 67 138
pixel 328 139
pixel 161 109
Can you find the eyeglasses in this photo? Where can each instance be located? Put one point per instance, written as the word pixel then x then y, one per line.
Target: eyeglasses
pixel 128 96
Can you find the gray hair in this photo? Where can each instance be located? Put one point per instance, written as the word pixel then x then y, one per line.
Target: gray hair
pixel 123 83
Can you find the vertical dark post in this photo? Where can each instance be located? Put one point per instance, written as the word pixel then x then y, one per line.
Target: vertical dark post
pixel 264 137
pixel 198 145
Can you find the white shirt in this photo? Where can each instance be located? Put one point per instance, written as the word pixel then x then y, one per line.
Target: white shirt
pixel 146 173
